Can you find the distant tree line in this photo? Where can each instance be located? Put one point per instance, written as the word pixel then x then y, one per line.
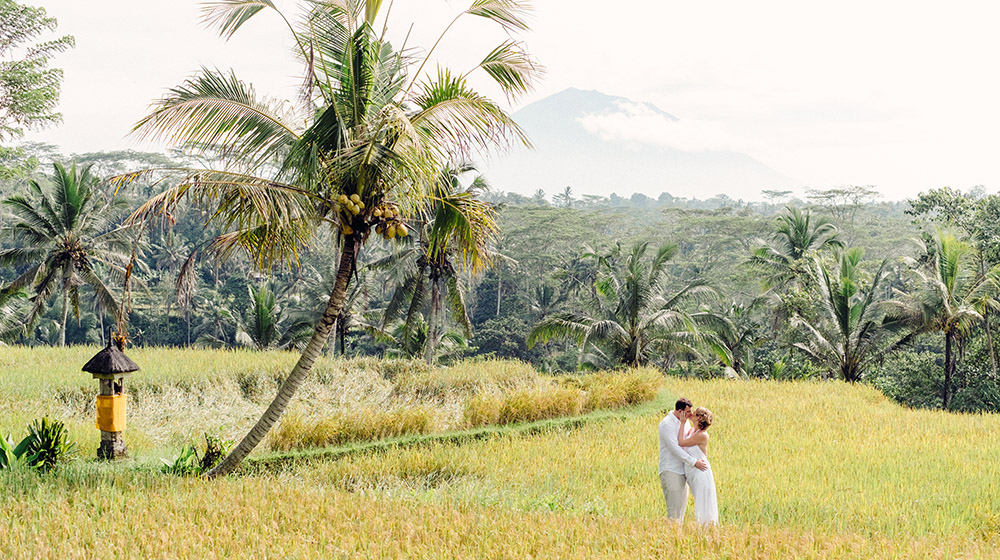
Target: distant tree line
pixel 901 295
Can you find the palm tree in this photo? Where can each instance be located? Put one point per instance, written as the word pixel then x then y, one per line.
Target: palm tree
pixel 457 230
pixel 734 335
pixel 354 313
pixel 565 198
pixel 64 235
pixel 630 317
pixel 357 154
pixel 265 323
pixel 217 323
pixel 11 322
pixel 953 297
pixel 169 256
pixel 857 325
pixel 796 235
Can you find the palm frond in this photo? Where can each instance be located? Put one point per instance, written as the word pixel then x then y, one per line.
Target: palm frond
pixel 512 15
pixel 569 325
pixel 461 120
pixel 216 109
pixel 511 68
pixel 229 15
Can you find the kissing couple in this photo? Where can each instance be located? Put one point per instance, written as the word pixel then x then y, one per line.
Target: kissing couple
pixel 684 463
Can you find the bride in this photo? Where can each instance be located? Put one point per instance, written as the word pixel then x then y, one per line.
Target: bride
pixel 702 483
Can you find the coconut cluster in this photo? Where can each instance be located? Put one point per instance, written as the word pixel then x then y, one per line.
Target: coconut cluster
pixel 389 225
pixel 385 217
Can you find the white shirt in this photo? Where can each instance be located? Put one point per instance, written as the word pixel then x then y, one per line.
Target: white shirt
pixel 672 456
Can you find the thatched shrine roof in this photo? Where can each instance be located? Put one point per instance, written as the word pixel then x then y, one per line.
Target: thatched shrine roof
pixel 109 361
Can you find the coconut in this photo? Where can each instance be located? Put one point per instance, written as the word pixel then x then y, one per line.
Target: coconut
pixel 390 231
pixel 355 210
pixel 401 230
pixel 377 212
pixel 361 205
pixel 355 198
pixel 342 199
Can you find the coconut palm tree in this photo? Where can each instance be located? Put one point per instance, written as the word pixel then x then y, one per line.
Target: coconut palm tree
pixel 217 323
pixel 11 321
pixel 733 335
pixel 169 256
pixel 796 235
pixel 357 153
pixel 265 324
pixel 457 229
pixel 631 317
pixel 64 235
pixel 953 296
pixel 857 325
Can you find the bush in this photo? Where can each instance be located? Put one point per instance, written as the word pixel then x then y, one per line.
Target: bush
pixel 911 378
pixel 49 442
pixel 184 463
pixel 45 445
pixel 215 449
pixel 188 462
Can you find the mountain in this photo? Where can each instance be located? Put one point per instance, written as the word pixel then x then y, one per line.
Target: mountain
pixel 600 144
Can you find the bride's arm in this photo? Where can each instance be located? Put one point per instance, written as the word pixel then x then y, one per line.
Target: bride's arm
pixel 696 438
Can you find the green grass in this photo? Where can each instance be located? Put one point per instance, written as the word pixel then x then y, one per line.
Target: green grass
pixel 804 470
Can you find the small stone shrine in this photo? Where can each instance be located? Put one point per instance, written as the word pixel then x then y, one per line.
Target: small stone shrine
pixel 111 366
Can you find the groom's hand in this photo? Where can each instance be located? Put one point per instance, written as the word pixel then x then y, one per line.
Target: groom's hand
pixel 701 465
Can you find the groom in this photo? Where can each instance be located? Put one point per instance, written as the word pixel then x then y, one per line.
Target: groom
pixel 672 461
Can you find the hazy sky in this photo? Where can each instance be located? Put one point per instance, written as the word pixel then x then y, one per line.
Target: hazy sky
pixel 901 95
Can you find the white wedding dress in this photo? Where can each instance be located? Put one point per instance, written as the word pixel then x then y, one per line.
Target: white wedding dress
pixel 702 483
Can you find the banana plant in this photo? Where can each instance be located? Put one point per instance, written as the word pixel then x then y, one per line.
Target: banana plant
pixel 16 456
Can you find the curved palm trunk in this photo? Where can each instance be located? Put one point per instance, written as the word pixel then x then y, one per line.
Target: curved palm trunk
pixel 949 368
pixel 301 369
pixel 432 326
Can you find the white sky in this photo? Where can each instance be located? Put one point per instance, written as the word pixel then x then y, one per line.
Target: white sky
pixel 903 95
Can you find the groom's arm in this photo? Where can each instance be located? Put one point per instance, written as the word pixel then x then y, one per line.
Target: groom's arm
pixel 667 435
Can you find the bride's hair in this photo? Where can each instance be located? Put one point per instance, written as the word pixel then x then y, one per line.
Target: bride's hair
pixel 704 417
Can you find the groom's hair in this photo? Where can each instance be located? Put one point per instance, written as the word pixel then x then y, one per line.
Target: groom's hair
pixel 682 404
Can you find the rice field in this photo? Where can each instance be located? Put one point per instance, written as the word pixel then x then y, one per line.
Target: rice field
pixel 804 470
pixel 179 394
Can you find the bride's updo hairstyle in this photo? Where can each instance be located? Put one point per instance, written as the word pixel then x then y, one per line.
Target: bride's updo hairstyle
pixel 704 417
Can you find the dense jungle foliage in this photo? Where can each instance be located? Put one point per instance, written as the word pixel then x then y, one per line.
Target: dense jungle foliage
pixel 897 294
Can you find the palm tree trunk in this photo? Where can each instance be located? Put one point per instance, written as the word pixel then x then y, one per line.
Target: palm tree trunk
pixel 989 342
pixel 986 321
pixel 499 288
pixel 432 323
pixel 949 368
pixel 166 332
pixel 301 369
pixel 65 315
